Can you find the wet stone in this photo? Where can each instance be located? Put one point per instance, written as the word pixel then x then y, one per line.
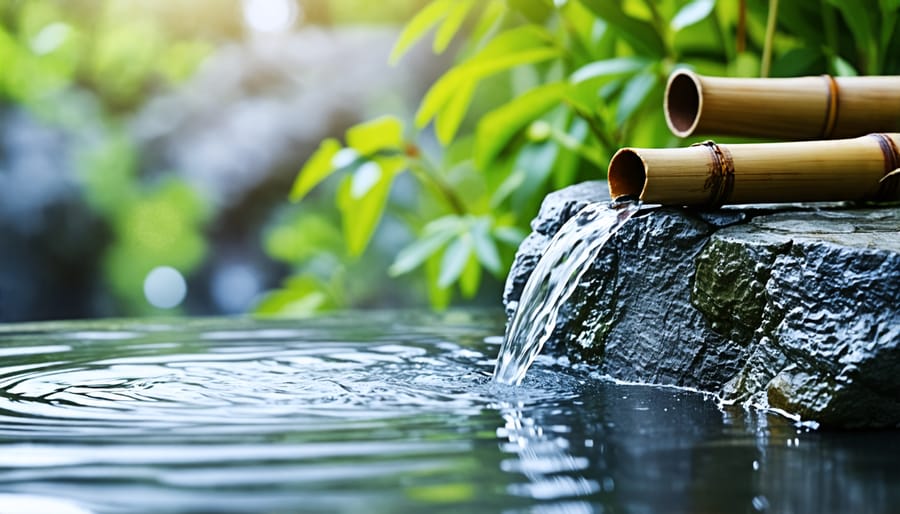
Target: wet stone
pixel 791 307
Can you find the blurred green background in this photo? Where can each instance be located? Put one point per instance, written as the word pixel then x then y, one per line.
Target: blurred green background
pixel 150 149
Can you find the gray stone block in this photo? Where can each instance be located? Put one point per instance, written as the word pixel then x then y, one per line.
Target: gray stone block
pixel 791 307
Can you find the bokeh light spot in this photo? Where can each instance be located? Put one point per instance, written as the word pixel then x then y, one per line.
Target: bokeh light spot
pixel 270 15
pixel 164 287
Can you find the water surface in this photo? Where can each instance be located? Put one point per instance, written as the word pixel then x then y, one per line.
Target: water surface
pixel 386 412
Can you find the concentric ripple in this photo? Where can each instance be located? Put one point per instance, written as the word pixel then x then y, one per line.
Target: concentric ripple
pixel 144 380
pixel 382 413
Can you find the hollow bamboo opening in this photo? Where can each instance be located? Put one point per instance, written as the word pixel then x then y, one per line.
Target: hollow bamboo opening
pixel 627 174
pixel 797 108
pixel 710 175
pixel 683 102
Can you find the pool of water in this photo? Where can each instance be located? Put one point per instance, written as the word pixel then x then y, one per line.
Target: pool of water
pixel 386 412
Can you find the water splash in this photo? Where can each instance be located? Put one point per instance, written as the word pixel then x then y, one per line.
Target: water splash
pixel 553 280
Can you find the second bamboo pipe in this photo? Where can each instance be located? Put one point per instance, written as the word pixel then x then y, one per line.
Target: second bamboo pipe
pixel 821 107
pixel 710 175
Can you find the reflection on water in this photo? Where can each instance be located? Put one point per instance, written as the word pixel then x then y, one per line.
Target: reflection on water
pixel 386 412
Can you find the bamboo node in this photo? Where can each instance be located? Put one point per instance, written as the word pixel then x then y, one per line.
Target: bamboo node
pixel 720 182
pixel 887 186
pixel 831 106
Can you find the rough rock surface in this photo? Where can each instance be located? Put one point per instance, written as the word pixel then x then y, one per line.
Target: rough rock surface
pixel 793 307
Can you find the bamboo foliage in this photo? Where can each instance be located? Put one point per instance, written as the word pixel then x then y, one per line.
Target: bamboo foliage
pixel 711 175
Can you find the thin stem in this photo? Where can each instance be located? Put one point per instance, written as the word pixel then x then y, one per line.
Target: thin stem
pixel 770 36
pixel 430 178
pixel 595 126
pixel 661 27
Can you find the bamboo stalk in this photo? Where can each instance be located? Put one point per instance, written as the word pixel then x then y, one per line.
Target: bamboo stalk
pixel 710 175
pixel 821 107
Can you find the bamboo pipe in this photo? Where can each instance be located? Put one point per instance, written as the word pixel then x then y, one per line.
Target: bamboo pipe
pixel 821 107
pixel 710 175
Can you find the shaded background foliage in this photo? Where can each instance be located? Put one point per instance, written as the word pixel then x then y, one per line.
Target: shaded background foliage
pixel 138 134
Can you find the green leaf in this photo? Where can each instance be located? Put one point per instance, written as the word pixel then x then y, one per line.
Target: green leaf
pixel 636 92
pixel 859 18
pixel 692 13
pixel 454 260
pixel 514 47
pixel 639 34
pixel 438 296
pixel 302 296
pixel 366 176
pixel 510 184
pixel 491 19
pixel 499 126
pixel 512 236
pixel 485 248
pixel 470 277
pixel 412 256
pixel 451 25
pixel 317 168
pixel 449 119
pixel 360 216
pixel 456 80
pixel 385 132
pixel 421 23
pixel 608 67
pixel 842 67
pixel 536 11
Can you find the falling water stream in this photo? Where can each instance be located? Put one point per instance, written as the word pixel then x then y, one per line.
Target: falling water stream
pixel 553 280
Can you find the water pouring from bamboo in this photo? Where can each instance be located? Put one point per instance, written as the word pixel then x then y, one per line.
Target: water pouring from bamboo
pixel 822 107
pixel 710 175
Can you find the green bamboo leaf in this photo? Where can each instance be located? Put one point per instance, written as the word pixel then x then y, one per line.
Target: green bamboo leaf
pixel 607 68
pixel 491 19
pixel 536 11
pixel 457 79
pixel 512 236
pixel 454 260
pixel 859 18
pixel 485 247
pixel 470 278
pixel 366 176
pixel 692 13
pixel 415 254
pixel 360 216
pixel 438 296
pixel 450 223
pixel 317 168
pixel 451 24
pixel 639 34
pixel 842 67
pixel 510 184
pixel 302 296
pixel 421 23
pixel 495 129
pixel 438 96
pixel 512 41
pixel 385 132
pixel 449 119
pixel 514 47
pixel 635 93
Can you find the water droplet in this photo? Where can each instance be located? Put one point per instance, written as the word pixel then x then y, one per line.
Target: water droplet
pixel 760 503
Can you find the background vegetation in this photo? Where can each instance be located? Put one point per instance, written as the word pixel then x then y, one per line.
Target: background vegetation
pixel 541 94
pixel 409 204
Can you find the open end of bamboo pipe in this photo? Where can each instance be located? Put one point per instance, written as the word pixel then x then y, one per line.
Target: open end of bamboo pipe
pixel 683 102
pixel 627 174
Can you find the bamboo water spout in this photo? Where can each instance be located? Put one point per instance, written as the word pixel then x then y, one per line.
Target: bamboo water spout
pixel 710 175
pixel 821 107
